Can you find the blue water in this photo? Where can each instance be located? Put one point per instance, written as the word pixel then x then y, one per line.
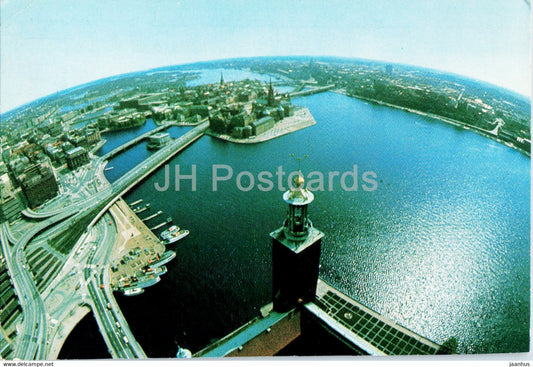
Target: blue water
pixel 119 137
pixel 136 154
pixel 283 89
pixel 213 76
pixel 441 246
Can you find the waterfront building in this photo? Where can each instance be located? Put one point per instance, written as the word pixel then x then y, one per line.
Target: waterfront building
pixel 77 157
pixel 288 109
pixel 307 316
pixel 93 136
pixel 218 123
pixel 247 131
pixel 158 112
pixel 262 125
pixel 38 183
pixel 132 102
pixel 237 132
pixel 121 119
pixel 158 140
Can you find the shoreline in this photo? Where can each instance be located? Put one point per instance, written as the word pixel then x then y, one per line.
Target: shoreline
pixel 131 233
pixel 66 327
pixel 301 119
pixel 441 118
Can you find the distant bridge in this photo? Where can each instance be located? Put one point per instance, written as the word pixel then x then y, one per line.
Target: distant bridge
pixel 32 338
pixel 308 92
pixel 132 142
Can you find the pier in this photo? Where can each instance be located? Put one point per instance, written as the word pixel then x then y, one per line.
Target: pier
pixel 168 221
pixel 152 216
pixel 87 212
pixel 139 210
pixel 136 202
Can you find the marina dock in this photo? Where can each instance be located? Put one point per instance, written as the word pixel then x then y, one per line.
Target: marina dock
pixel 139 209
pixel 152 216
pixel 136 202
pixel 168 221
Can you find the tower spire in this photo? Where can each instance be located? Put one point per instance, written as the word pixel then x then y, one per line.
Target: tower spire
pixel 299 159
pixel 270 95
pixel 295 250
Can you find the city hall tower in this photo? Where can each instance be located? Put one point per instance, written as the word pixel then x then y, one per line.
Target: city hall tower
pixel 295 251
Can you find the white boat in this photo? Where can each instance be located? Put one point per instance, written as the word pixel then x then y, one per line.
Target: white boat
pixel 176 236
pixel 167 233
pixel 133 291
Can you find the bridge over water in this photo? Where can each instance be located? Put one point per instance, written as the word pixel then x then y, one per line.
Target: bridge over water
pixel 33 336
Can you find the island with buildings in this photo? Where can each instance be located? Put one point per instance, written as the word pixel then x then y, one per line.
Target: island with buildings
pixel 254 113
pixel 60 214
pixel 489 110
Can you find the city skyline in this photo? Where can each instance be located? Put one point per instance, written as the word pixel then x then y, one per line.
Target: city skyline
pixel 410 168
pixel 52 46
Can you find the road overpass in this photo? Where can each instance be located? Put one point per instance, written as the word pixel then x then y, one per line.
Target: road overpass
pixel 32 340
pixel 132 177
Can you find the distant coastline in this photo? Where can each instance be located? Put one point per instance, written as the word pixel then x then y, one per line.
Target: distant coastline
pixel 438 117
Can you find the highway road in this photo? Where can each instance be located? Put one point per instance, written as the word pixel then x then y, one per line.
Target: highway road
pixel 32 339
pixel 131 178
pixel 106 311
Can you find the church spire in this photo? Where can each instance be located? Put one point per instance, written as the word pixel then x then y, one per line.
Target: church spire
pixel 270 95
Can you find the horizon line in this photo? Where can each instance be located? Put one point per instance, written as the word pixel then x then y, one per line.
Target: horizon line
pixel 191 63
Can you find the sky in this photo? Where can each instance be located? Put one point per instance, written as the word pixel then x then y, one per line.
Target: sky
pixel 51 45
